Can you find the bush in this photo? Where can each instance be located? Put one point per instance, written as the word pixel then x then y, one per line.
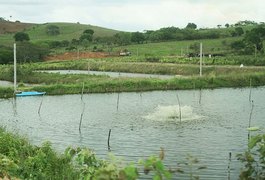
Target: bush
pixel 28 52
pixel 254 159
pixel 6 55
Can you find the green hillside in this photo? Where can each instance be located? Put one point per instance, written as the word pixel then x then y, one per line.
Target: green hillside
pixel 68 31
pixel 178 48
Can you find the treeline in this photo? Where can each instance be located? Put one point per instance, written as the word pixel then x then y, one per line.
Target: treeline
pixel 26 52
pixel 170 34
pixel 252 42
pixel 190 32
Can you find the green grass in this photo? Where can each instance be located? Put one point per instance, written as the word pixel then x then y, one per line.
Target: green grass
pixel 68 31
pixel 178 48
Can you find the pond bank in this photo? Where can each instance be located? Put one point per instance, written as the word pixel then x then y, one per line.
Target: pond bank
pixel 59 84
pixel 56 84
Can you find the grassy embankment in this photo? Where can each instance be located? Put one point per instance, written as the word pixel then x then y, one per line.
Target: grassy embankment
pixel 213 77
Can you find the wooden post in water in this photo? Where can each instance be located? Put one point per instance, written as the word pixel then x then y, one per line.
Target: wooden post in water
pixel 229 164
pixel 118 101
pixel 179 108
pixel 200 98
pixel 250 116
pixel 250 90
pixel 40 104
pixel 82 93
pixel 109 139
pixel 81 117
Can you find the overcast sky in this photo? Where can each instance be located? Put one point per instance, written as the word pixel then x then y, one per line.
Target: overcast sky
pixel 134 15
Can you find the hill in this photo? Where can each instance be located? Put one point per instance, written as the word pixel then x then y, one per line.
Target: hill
pixel 7 27
pixel 37 32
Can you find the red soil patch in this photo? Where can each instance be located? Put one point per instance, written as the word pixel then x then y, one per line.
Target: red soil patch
pixel 76 56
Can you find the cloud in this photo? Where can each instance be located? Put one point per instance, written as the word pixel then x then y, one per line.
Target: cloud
pixel 137 15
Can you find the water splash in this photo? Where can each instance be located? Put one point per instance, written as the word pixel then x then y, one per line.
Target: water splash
pixel 171 113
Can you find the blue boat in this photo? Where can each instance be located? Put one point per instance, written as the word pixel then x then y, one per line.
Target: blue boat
pixel 30 93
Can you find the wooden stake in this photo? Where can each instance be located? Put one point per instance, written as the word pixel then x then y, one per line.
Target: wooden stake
pixel 200 98
pixel 40 104
pixel 228 168
pixel 82 93
pixel 109 139
pixel 179 108
pixel 81 117
pixel 118 101
pixel 250 91
pixel 250 116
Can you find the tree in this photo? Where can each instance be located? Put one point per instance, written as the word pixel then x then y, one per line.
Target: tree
pixel 21 36
pixel 88 31
pixel 239 46
pixel 87 35
pixel 6 55
pixel 255 37
pixel 239 31
pixel 29 52
pixel 137 37
pixel 122 38
pixel 156 36
pixel 227 25
pixel 52 30
pixel 191 26
pixel 195 47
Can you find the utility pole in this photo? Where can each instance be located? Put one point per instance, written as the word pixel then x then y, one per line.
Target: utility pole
pixel 200 59
pixel 15 69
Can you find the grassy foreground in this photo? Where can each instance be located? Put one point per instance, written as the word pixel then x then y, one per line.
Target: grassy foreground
pixel 21 160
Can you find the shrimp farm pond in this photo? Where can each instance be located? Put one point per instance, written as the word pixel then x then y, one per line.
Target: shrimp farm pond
pixel 213 124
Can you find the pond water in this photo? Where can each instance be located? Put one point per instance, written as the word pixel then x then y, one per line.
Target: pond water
pixel 6 83
pixel 213 124
pixel 112 74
